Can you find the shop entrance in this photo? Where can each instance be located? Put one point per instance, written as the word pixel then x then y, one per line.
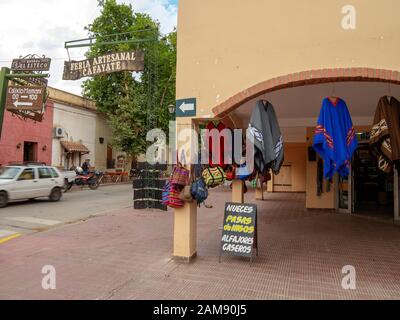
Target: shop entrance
pixel 373 189
pixel 369 192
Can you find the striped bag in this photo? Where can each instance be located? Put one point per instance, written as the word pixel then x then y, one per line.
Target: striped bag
pixel 170 196
pixel 180 175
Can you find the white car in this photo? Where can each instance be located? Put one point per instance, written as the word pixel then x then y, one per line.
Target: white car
pixel 30 182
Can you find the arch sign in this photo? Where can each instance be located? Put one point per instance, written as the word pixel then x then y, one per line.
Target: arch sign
pixel 105 64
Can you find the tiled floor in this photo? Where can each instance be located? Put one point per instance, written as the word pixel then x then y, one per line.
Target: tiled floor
pixel 127 255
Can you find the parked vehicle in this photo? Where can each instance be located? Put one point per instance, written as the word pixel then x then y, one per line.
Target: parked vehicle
pixel 92 179
pixel 69 178
pixel 30 182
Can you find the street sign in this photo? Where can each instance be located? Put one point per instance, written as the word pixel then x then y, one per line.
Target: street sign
pixel 31 64
pixel 24 98
pixel 105 64
pixel 239 232
pixel 186 107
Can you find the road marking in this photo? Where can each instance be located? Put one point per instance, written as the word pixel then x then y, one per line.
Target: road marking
pixel 6 233
pixel 35 220
pixel 16 235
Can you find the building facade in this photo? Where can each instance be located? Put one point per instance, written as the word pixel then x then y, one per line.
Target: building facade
pixel 232 53
pixel 25 140
pixel 71 132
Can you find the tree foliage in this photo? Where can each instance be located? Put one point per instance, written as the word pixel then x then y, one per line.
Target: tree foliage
pixel 129 99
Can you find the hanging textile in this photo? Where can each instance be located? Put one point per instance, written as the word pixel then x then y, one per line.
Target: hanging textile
pixel 268 140
pixel 335 138
pixel 385 133
pixel 219 145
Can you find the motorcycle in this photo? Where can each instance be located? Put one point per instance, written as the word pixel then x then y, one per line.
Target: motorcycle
pixel 91 179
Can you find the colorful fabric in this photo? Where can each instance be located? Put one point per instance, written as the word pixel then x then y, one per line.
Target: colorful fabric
pixel 335 138
pixel 224 148
pixel 385 133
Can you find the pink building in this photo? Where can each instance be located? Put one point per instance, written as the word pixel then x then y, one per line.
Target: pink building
pixel 26 140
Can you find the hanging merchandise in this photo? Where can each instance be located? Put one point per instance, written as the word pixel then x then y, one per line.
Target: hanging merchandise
pixel 230 173
pixel 243 173
pixel 385 133
pixel 180 175
pixel 213 177
pixel 224 147
pixel 268 140
pixel 335 138
pixel 320 177
pixel 170 196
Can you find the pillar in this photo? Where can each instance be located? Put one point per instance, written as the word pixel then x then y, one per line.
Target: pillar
pixel 238 191
pixel 185 219
pixel 260 191
pixel 396 196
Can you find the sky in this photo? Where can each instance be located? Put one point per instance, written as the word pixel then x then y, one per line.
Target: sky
pixel 42 27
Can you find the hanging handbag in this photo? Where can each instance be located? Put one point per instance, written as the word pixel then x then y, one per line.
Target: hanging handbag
pixel 213 176
pixel 243 173
pixel 170 196
pixel 180 175
pixel 199 191
pixel 186 194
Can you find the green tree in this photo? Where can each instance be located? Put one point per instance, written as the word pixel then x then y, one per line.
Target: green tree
pixel 133 102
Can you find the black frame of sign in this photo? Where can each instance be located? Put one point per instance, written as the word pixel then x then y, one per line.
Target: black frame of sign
pixel 255 234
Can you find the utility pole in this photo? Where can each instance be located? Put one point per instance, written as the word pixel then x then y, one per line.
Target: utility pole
pixel 3 93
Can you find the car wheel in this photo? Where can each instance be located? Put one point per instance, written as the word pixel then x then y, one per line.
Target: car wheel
pixel 3 199
pixel 55 195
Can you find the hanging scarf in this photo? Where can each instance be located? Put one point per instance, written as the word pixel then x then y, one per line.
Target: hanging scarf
pixel 335 138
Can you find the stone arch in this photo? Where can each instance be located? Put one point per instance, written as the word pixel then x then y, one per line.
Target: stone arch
pixel 304 78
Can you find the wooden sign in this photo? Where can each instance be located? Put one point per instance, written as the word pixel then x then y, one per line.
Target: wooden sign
pixel 109 63
pixel 239 233
pixel 31 64
pixel 24 98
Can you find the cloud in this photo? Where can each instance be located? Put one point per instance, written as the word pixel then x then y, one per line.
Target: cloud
pixel 47 24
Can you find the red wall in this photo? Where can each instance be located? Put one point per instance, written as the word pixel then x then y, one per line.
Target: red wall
pixel 17 131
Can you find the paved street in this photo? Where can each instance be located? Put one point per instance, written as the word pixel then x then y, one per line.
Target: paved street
pixel 126 254
pixel 32 216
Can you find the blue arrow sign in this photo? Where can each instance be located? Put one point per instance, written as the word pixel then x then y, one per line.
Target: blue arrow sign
pixel 186 107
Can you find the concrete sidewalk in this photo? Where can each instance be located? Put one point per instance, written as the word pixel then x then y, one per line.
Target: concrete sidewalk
pixel 126 254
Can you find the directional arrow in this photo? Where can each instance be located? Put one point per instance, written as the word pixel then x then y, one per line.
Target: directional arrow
pixel 22 104
pixel 186 107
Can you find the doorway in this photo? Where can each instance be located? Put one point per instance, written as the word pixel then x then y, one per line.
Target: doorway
pixel 373 189
pixel 30 151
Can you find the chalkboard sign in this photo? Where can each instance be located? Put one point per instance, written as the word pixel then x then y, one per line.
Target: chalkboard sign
pixel 239 232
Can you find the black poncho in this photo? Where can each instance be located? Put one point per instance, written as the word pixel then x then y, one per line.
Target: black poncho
pixel 268 140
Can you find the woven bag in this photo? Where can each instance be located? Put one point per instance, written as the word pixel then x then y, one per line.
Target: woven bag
pixel 180 175
pixel 213 176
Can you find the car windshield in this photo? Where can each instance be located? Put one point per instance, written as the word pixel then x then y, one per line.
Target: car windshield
pixel 9 173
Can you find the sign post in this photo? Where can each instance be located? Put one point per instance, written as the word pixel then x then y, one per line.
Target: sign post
pixel 239 233
pixel 24 98
pixel 3 93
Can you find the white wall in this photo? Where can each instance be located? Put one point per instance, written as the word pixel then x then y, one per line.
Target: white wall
pixel 79 125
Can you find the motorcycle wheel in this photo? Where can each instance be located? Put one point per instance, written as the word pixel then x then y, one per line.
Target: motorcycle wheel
pixel 94 184
pixel 67 186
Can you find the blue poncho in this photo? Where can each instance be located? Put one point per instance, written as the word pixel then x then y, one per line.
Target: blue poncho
pixel 335 138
